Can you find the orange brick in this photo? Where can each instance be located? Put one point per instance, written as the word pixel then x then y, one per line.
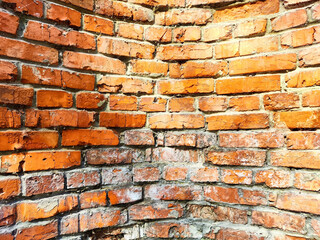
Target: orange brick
pixel 279 101
pixel 158 34
pixel 297 119
pixel 128 103
pixel 205 175
pixel 227 233
pixel 82 178
pixel 307 181
pixel 227 50
pixel 89 137
pixel 309 57
pixel 217 33
pixel 125 195
pixel 29 7
pixel 9 23
pixel 251 28
pixel 25 140
pixel 83 4
pixel 234 176
pixel 289 20
pixel 8 71
pixel 16 95
pixel 175 173
pixel 186 34
pixel 37 161
pixel 213 104
pixel 151 68
pixel 122 120
pixel 239 121
pixel 98 25
pixel 125 48
pixel 184 52
pixel 51 98
pixel 181 104
pixel 257 45
pixel 9 118
pixel 298 38
pixel 171 3
pixel 273 63
pixel 303 78
pixel 93 199
pixel 303 140
pixel 90 100
pixel 185 16
pixel 301 159
pixel 189 86
pixel 248 84
pixel 63 14
pixel 9 187
pixel 273 178
pixel 37 232
pixel 130 30
pixel 176 121
pixel 152 104
pixel 163 211
pixel 246 103
pixel 316 12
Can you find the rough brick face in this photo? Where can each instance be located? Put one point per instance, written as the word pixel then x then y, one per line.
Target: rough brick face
pixel 159 119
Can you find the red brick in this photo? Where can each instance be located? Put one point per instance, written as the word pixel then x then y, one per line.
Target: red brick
pixel 186 34
pixel 122 120
pixel 7 215
pixel 129 103
pixel 218 213
pixel 156 211
pixel 303 78
pixel 9 118
pixel 51 98
pixel 9 23
pixel 199 140
pixel 116 176
pixel 56 118
pixel 185 16
pixel 303 140
pixel 251 28
pixel 28 51
pixel 130 30
pixel 93 62
pixel 45 208
pixel 239 121
pixel 113 84
pixel 82 178
pixel 125 195
pixel 48 33
pixel 43 183
pixel 186 86
pixel 152 104
pixel 53 77
pixel 98 25
pixel 262 64
pixel 43 231
pixel 175 173
pixel 16 95
pixel 273 178
pixel 26 140
pixel 205 175
pixel 100 218
pixel 158 34
pixel 113 156
pixel 126 48
pixel 298 38
pixel 37 161
pixel 248 84
pixel 307 181
pixel 289 20
pixel 85 137
pixel 176 121
pixel 247 103
pixel 7 236
pixel 29 7
pixel 217 33
pixel 299 202
pixel 252 140
pixel 173 192
pixel 146 174
pixel 64 15
pixel 234 176
pixel 297 119
pixel 149 68
pixel 181 104
pixel 138 137
pixel 213 104
pixel 174 155
pixel 247 10
pixel 171 3
pixel 193 69
pixel 309 57
pixel 93 199
pixel 8 71
pixel 9 187
pixel 228 233
pixel 184 52
pixel 172 230
pixel 295 159
pixel 237 158
pixel 90 100
pixel 234 195
pixel 280 101
pixel 122 9
pixel 88 4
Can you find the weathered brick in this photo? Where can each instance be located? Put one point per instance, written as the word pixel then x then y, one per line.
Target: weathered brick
pixel 297 119
pixel 158 34
pixel 172 230
pixel 63 14
pixel 9 187
pixel 311 99
pixel 82 178
pixel 51 98
pixel 90 100
pixel 213 104
pixel 37 161
pixel 8 215
pixel 251 28
pixel 309 57
pixel 186 34
pixel 281 101
pixel 29 7
pixel 247 103
pixel 273 178
pixel 42 231
pixel 138 137
pixel 175 173
pixel 171 3
pixel 228 233
pixel 98 25
pixel 176 121
pixel 9 23
pixel 198 140
pixel 156 211
pixel 69 224
pixel 152 104
pixel 303 78
pixel 289 20
pixel 205 175
pixel 122 120
pixel 9 118
pixel 89 137
pixel 128 103
pixel 298 38
pixel 186 86
pixel 301 159
pixel 236 176
pixel 16 95
pixel 8 71
pixel 88 4
pixel 149 68
pixel 130 30
pixel 116 176
pixel 125 195
pixel 303 140
pixel 237 158
pixel 93 199
pixel 184 52
pixel 146 174
pixel 239 121
pixel 181 104
pixel 307 181
pixel 174 155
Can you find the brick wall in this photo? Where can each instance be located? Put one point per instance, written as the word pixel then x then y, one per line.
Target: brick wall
pixel 157 119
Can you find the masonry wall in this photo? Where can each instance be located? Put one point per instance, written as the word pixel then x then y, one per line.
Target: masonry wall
pixel 159 119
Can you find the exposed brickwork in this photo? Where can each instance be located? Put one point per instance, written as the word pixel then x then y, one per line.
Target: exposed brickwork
pixel 159 119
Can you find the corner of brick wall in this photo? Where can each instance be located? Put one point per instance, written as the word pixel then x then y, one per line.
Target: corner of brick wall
pixel 159 119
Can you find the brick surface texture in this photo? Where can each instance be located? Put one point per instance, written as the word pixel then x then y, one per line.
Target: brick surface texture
pixel 160 119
